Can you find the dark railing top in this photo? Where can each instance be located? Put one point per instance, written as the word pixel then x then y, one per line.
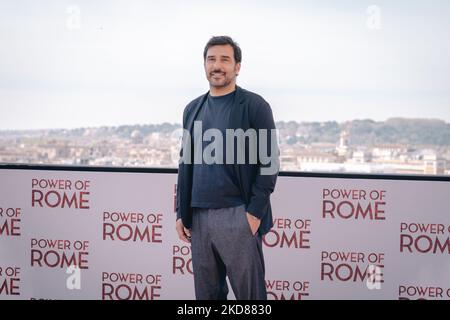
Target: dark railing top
pixel 376 176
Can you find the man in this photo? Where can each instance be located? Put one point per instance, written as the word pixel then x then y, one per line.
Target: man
pixel 223 206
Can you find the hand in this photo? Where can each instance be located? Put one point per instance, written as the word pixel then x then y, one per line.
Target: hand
pixel 183 233
pixel 254 223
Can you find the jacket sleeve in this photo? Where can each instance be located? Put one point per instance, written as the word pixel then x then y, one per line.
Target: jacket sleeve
pixel 264 184
pixel 178 193
pixel 180 171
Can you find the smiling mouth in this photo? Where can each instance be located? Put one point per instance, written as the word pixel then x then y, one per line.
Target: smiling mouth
pixel 217 74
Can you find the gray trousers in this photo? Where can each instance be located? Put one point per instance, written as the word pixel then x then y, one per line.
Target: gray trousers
pixel 222 244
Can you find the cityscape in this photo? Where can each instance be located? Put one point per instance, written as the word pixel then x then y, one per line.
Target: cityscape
pixel 394 146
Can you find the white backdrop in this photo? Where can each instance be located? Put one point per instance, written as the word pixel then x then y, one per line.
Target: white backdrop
pixel 334 238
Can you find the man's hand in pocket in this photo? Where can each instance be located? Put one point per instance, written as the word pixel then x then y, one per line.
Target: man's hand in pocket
pixel 254 223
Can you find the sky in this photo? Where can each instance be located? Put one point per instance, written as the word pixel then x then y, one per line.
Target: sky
pixel 68 64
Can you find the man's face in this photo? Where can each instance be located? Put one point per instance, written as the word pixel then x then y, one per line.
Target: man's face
pixel 220 67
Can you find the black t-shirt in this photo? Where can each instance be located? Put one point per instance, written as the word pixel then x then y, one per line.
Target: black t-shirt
pixel 215 185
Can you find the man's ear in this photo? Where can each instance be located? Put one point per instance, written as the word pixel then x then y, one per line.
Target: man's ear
pixel 237 68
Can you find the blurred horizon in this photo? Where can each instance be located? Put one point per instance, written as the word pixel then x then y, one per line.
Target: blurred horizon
pixel 179 124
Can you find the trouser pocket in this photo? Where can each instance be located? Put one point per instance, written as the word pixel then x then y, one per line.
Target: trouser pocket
pixel 245 221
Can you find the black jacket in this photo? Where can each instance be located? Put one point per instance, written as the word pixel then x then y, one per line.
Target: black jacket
pixel 249 111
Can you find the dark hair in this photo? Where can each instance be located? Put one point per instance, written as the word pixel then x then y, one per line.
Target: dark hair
pixel 221 40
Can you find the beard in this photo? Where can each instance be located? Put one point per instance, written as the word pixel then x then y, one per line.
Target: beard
pixel 219 81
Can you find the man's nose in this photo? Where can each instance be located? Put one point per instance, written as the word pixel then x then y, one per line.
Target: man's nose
pixel 217 65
